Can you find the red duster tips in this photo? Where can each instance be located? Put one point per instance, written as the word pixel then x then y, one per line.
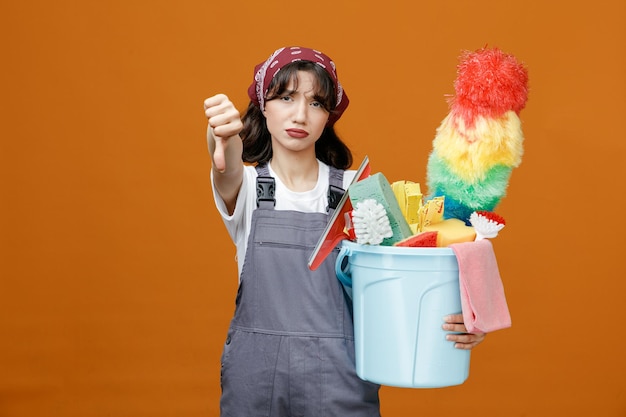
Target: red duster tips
pixel 489 83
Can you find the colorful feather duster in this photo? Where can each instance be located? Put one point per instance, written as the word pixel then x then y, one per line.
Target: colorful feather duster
pixel 479 142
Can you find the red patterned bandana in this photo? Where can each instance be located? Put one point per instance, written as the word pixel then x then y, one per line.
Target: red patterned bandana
pixel 266 71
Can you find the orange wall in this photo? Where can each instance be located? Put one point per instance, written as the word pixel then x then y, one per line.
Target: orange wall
pixel 117 279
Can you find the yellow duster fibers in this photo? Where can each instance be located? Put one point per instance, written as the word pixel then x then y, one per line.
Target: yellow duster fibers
pixel 470 152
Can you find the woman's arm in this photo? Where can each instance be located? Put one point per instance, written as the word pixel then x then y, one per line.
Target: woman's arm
pixel 225 147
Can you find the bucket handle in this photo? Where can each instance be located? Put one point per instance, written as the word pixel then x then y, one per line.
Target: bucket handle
pixel 342 270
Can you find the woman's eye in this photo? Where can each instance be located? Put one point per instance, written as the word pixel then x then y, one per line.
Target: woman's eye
pixel 285 98
pixel 316 104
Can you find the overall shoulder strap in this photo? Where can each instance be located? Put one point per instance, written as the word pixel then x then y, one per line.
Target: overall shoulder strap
pixel 265 188
pixel 335 190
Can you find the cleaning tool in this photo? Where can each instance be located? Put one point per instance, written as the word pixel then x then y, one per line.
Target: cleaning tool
pixel 335 229
pixel 409 197
pixel 420 240
pixel 486 224
pixel 400 297
pixel 483 299
pixel 451 231
pixel 370 222
pixel 479 142
pixel 377 187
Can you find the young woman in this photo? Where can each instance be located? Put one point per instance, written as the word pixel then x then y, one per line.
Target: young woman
pixel 290 345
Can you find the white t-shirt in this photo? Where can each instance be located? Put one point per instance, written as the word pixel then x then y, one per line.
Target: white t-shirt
pixel 238 224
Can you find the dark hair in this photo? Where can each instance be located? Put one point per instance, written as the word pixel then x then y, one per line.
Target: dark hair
pixel 257 141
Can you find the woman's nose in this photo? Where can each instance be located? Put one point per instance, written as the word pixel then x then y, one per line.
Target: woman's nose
pixel 300 112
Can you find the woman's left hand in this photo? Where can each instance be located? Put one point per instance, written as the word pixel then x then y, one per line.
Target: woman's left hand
pixel 461 338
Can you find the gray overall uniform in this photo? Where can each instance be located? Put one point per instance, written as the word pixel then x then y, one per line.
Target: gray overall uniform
pixel 290 346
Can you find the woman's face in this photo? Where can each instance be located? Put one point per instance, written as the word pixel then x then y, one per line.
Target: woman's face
pixel 296 119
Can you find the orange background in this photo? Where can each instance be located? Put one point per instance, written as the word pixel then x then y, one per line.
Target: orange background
pixel 118 279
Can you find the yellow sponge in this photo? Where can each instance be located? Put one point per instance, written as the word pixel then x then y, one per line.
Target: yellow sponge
pixel 409 197
pixel 451 231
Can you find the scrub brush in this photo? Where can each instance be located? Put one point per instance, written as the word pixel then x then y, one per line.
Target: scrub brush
pixel 487 224
pixel 370 222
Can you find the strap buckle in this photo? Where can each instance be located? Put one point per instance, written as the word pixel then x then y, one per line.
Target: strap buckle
pixel 265 189
pixel 334 196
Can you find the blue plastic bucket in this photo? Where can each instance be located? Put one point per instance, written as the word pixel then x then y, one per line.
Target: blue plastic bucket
pixel 400 296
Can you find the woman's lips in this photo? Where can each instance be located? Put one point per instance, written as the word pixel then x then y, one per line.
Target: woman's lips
pixel 297 133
